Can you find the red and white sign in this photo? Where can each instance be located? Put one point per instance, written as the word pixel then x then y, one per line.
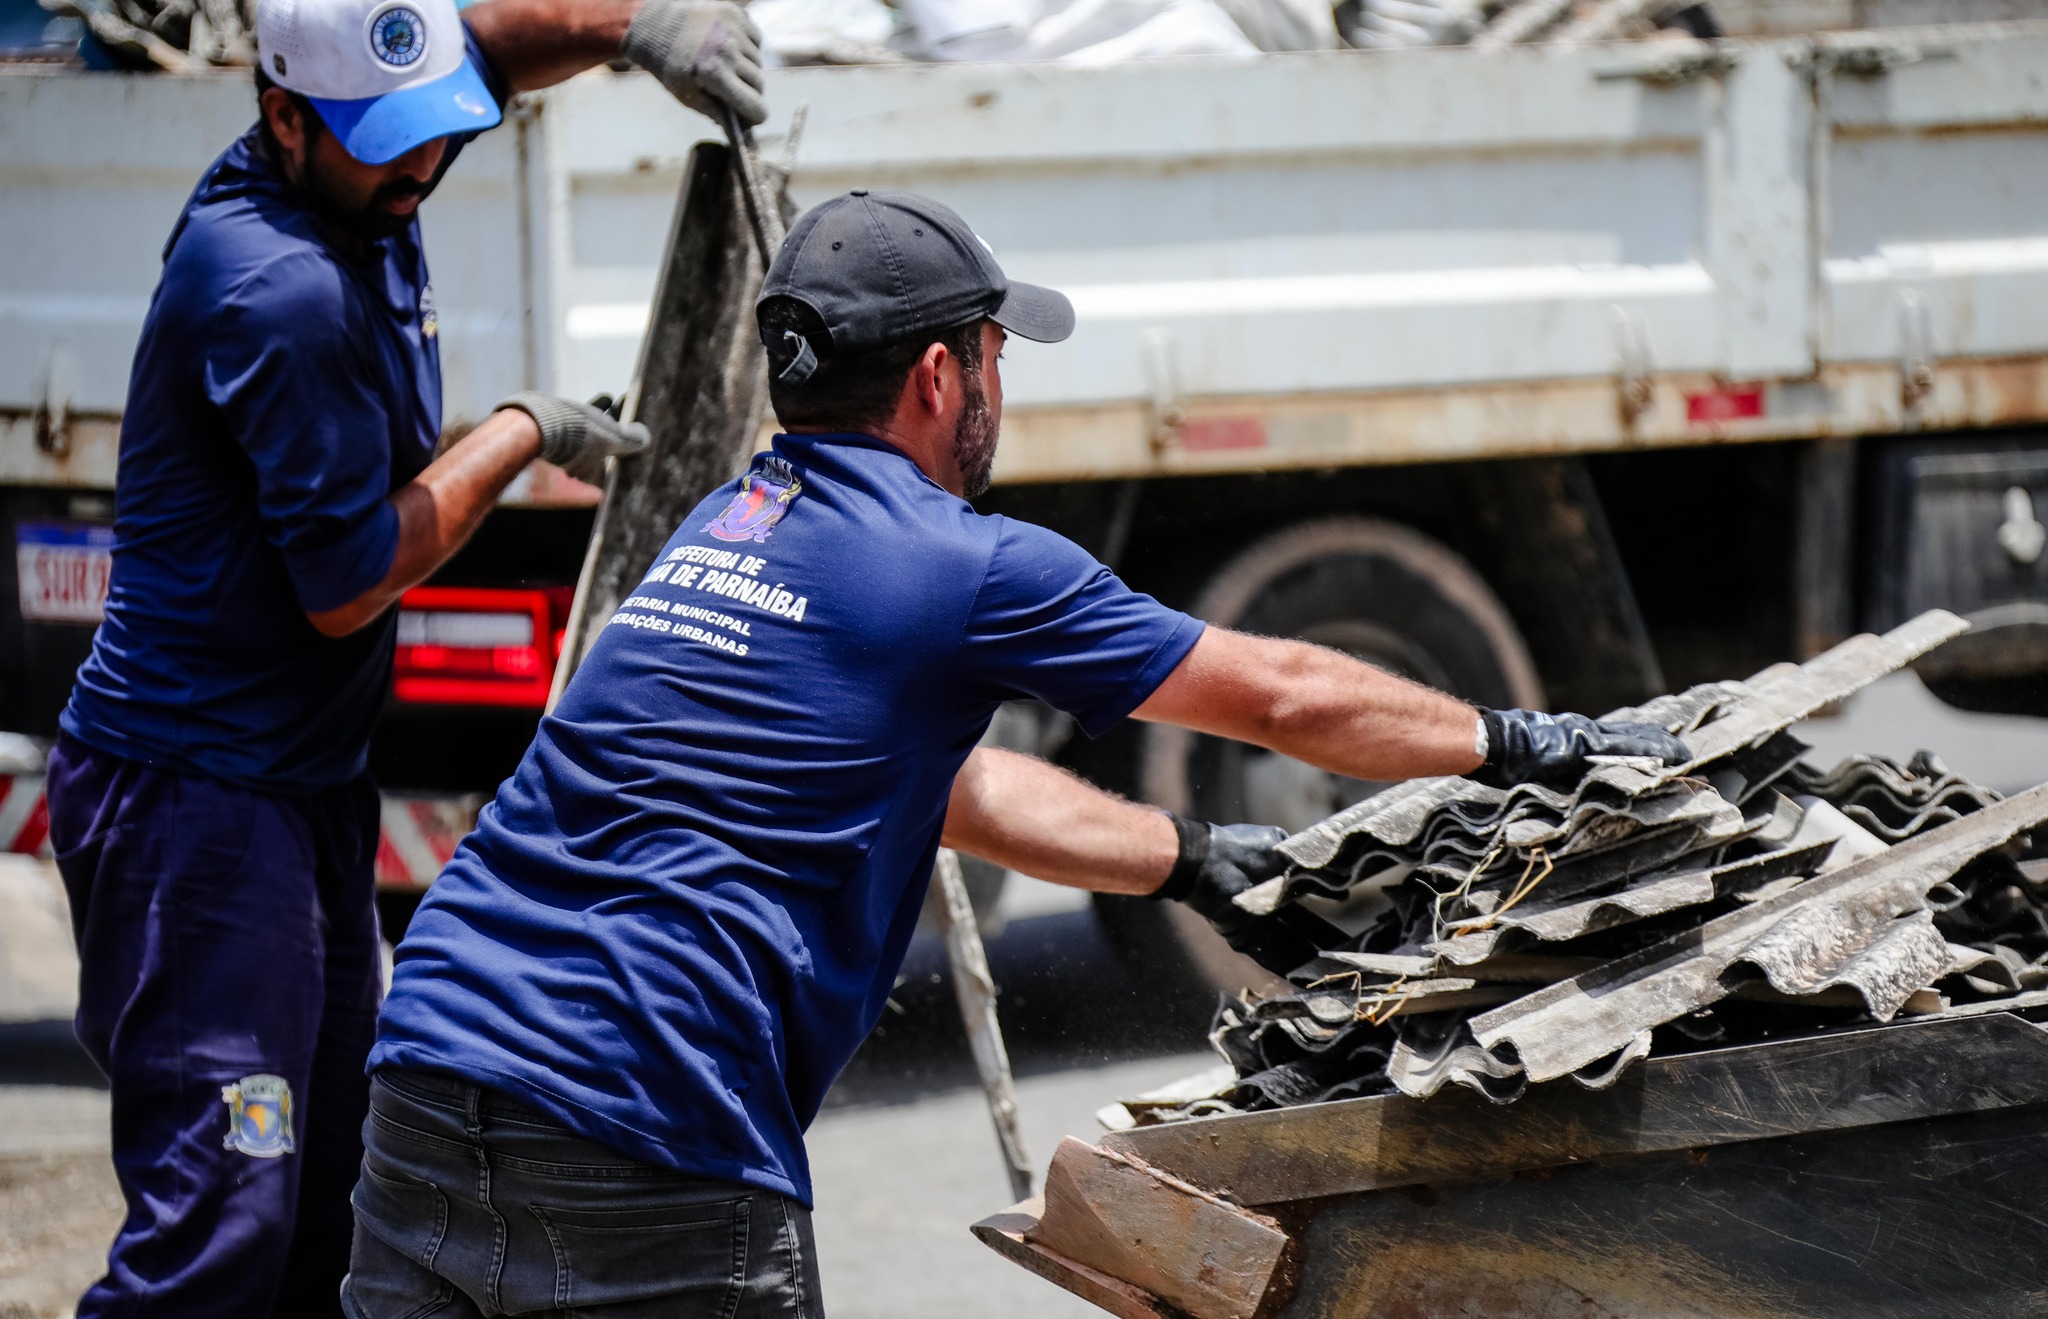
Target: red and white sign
pixel 419 834
pixel 418 837
pixel 62 570
pixel 24 814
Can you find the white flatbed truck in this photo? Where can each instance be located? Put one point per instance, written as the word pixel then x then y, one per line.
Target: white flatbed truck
pixel 1547 376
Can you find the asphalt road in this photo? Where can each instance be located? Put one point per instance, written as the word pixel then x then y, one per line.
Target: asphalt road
pixel 903 1157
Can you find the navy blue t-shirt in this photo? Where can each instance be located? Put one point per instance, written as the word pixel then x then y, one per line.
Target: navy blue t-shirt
pixel 686 909
pixel 281 390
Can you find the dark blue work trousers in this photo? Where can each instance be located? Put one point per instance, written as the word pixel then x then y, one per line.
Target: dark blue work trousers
pixel 473 1204
pixel 229 985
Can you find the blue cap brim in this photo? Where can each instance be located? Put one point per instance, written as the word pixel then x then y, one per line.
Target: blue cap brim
pixel 379 129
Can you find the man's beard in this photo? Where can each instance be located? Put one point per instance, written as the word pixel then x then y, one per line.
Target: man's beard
pixel 974 436
pixel 371 222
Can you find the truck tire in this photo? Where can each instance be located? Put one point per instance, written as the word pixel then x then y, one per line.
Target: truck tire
pixel 1375 589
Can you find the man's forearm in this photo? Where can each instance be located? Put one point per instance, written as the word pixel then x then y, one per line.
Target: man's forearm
pixel 1317 705
pixel 440 509
pixel 1038 819
pixel 538 43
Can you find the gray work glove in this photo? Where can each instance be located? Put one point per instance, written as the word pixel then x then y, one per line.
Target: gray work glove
pixel 706 52
pixel 1525 746
pixel 578 437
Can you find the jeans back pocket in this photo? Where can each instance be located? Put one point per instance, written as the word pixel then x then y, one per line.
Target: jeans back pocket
pixel 407 1213
pixel 679 1258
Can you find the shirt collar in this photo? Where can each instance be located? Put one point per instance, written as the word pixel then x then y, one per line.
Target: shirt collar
pixel 829 448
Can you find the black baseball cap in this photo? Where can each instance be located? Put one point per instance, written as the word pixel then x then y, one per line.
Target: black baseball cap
pixel 882 266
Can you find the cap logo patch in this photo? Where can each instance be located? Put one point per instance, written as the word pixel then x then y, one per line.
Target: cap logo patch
pixel 398 36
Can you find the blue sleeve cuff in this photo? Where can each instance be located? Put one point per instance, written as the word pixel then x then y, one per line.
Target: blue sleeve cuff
pixel 1164 659
pixel 342 569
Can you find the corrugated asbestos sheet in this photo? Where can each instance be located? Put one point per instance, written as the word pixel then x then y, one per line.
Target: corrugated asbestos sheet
pixel 1494 939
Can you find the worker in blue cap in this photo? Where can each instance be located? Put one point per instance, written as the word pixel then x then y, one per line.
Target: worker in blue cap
pixel 278 488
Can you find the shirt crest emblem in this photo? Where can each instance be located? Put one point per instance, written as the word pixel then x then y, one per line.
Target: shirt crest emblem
pixel 259 1116
pixel 764 498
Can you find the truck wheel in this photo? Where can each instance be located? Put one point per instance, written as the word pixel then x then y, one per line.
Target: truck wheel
pixel 1374 589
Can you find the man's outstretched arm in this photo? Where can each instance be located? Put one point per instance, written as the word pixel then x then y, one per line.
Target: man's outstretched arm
pixel 1348 717
pixel 440 509
pixel 1317 705
pixel 538 43
pixel 706 52
pixel 1042 821
pixel 1304 701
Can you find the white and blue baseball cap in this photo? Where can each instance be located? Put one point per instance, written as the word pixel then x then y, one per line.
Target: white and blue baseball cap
pixel 384 75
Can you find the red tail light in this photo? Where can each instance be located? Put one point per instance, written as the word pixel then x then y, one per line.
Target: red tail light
pixel 472 646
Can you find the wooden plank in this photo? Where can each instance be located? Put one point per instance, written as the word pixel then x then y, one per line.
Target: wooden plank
pixel 1161 1235
pixel 1929 1068
pixel 1006 1234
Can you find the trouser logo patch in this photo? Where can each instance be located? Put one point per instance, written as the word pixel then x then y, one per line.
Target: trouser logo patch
pixel 259 1115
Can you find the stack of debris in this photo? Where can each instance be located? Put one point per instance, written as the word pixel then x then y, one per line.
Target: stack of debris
pixel 1497 938
pixel 182 34
pixel 166 34
pixel 1099 32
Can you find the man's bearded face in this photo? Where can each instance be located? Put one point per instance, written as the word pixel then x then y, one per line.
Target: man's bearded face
pixel 380 210
pixel 974 434
pixel 364 202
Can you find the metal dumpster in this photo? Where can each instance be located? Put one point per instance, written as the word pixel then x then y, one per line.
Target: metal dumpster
pixel 1891 1171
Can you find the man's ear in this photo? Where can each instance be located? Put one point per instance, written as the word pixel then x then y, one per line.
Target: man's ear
pixel 283 114
pixel 929 377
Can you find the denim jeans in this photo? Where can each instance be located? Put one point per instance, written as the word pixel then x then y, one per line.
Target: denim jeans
pixel 471 1204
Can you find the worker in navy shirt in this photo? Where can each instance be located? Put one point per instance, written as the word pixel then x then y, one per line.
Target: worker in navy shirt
pixel 278 489
pixel 629 991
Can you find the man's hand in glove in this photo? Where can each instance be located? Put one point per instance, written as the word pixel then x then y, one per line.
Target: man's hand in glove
pixel 1524 746
pixel 1216 863
pixel 706 52
pixel 578 437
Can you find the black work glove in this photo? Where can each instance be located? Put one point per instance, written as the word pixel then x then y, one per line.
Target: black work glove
pixel 706 52
pixel 578 437
pixel 1526 746
pixel 1219 861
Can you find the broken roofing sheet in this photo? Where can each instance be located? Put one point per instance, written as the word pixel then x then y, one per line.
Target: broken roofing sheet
pixel 1498 938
